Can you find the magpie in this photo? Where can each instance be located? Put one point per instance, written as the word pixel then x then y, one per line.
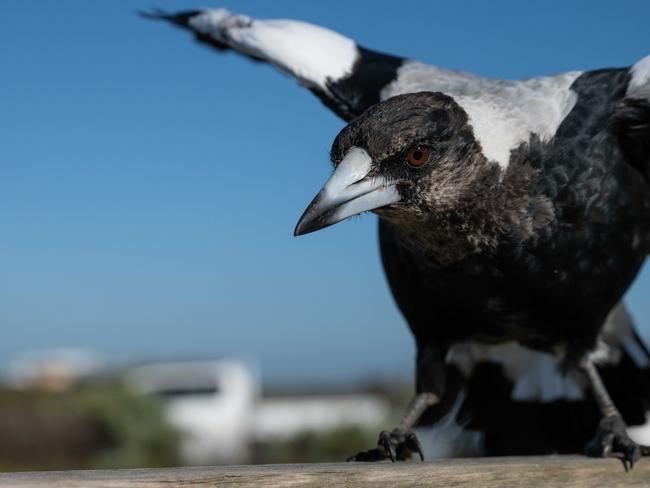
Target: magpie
pixel 539 228
pixel 535 251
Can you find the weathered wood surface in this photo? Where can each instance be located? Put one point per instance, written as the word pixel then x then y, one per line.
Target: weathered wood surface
pixel 527 472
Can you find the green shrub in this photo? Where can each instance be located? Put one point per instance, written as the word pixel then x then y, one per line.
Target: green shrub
pixel 99 427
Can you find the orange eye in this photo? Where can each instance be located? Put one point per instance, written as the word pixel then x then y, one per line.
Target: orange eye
pixel 417 156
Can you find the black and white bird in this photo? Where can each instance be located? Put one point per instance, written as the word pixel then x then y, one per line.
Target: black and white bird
pixel 513 217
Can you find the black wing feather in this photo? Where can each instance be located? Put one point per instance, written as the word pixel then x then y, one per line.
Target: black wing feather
pixel 632 124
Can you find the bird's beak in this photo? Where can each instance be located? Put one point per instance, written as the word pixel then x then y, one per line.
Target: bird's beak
pixel 348 192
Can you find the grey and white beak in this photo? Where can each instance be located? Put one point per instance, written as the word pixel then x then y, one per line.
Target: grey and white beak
pixel 348 192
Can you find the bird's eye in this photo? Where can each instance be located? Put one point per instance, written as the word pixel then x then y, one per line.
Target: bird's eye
pixel 417 156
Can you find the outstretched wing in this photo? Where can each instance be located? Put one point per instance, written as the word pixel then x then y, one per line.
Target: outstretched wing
pixel 632 118
pixel 345 76
pixel 349 78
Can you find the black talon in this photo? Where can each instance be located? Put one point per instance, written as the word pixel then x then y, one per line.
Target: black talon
pixel 611 440
pixel 629 459
pixel 386 442
pixel 397 445
pixel 413 443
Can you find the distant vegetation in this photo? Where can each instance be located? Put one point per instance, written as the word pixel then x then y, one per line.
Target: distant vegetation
pixel 88 428
pixel 105 426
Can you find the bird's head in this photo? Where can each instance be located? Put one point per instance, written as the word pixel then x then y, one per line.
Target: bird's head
pixel 407 158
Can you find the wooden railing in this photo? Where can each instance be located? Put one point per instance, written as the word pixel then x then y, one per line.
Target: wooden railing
pixel 527 472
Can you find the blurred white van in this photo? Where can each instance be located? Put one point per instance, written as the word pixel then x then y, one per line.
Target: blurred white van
pixel 211 403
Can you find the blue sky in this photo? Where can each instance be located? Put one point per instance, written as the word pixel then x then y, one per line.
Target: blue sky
pixel 149 186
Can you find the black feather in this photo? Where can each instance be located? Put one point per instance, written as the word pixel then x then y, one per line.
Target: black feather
pixel 631 121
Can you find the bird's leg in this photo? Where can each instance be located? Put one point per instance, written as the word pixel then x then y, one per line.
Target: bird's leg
pixel 401 442
pixel 416 407
pixel 611 438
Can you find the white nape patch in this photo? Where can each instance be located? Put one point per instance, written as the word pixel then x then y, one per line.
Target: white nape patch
pixel 535 375
pixel 502 113
pixel 309 52
pixel 640 433
pixel 448 439
pixel 639 86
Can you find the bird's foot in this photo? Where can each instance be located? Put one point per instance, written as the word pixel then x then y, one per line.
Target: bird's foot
pixel 397 445
pixel 611 440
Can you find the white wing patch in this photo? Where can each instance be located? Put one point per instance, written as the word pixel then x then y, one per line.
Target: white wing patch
pixel 448 439
pixel 535 375
pixel 502 113
pixel 309 52
pixel 641 433
pixel 639 86
pixel 542 380
pixel 635 351
pixel 618 332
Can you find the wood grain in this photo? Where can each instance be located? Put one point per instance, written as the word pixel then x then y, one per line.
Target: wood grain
pixel 528 472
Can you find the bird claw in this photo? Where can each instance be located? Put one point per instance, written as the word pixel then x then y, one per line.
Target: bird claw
pixel 611 440
pixel 397 445
pixel 388 445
